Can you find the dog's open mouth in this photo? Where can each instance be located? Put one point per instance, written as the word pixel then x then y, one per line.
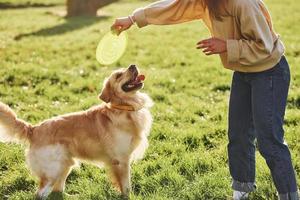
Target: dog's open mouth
pixel 135 83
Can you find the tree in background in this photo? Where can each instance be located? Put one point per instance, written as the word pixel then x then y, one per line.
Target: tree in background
pixel 85 7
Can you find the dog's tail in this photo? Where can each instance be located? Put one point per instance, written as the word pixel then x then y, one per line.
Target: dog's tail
pixel 12 129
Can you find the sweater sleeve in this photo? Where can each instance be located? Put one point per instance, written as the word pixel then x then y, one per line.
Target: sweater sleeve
pixel 169 12
pixel 257 40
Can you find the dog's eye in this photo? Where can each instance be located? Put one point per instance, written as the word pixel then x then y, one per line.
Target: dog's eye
pixel 118 76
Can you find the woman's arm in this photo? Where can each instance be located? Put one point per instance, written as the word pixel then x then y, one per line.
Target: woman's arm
pixel 162 13
pixel 257 41
pixel 169 12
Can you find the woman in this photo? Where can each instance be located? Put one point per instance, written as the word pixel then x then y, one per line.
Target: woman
pixel 244 38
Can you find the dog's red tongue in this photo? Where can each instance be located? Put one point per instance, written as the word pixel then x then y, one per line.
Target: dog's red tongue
pixel 140 77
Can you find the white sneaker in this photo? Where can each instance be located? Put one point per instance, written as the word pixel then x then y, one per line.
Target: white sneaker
pixel 238 195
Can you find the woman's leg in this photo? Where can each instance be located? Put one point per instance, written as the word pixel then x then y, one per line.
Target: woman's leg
pixel 269 96
pixel 241 134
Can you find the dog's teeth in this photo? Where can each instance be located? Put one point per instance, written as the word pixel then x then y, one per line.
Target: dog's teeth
pixel 130 85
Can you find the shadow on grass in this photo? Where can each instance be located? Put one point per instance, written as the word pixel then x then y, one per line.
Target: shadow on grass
pixel 19 184
pixel 56 196
pixel 70 24
pixel 64 196
pixel 6 5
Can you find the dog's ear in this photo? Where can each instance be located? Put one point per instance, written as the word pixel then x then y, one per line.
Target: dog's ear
pixel 105 93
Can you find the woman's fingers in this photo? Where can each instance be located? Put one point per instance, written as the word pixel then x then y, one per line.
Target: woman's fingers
pixel 203 45
pixel 209 53
pixel 205 41
pixel 116 28
pixel 121 24
pixel 116 23
pixel 209 49
pixel 212 46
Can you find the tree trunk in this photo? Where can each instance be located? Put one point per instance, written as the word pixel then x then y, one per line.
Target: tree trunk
pixel 85 7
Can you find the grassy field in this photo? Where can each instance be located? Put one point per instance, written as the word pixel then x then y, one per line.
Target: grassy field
pixel 48 67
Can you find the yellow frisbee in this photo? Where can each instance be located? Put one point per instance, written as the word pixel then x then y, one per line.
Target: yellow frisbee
pixel 111 48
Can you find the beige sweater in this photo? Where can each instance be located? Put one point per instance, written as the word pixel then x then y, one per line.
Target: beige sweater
pixel 252 45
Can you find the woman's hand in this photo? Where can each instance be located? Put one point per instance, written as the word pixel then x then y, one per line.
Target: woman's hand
pixel 122 24
pixel 212 46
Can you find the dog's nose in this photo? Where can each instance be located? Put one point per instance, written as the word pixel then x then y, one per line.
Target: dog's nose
pixel 132 68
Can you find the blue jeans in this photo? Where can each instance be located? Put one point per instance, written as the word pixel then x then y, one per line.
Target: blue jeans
pixel 256 111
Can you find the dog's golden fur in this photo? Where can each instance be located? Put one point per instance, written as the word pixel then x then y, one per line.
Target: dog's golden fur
pixel 102 134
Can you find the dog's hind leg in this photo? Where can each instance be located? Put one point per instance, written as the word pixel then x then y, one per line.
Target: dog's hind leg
pixel 53 184
pixel 49 163
pixel 121 176
pixel 45 188
pixel 59 185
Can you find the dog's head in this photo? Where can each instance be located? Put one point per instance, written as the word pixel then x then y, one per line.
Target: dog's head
pixel 122 86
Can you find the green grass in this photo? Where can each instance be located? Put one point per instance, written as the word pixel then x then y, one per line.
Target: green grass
pixel 48 67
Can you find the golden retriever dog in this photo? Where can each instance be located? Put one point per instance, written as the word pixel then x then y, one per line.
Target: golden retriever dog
pixel 113 133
